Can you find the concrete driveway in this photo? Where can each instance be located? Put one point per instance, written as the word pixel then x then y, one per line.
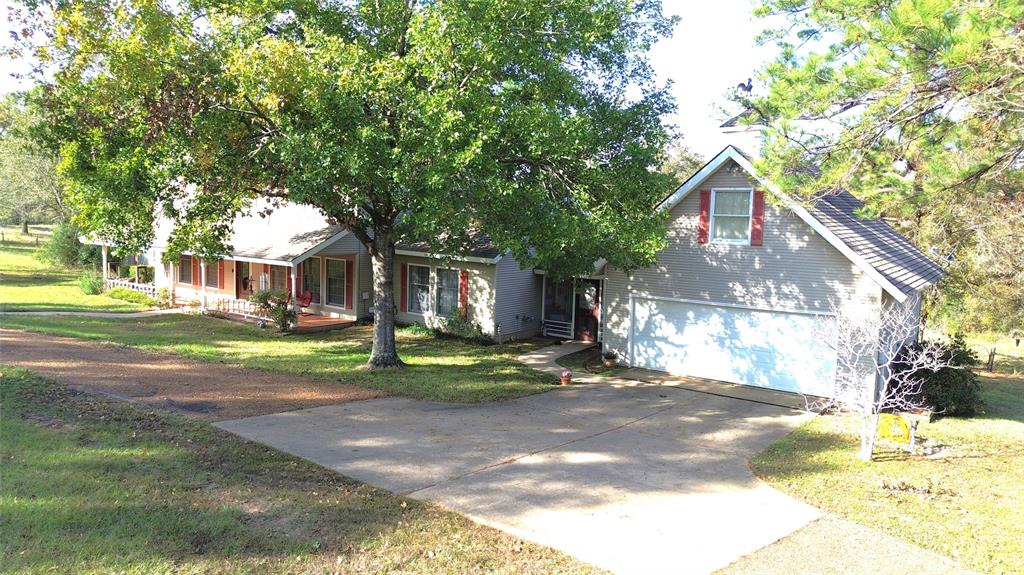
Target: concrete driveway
pixel 634 479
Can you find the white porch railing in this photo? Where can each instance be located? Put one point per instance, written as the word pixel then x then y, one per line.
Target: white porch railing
pixel 148 289
pixel 552 328
pixel 242 307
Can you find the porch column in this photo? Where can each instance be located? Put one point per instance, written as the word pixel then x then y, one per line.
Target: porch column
pixel 103 260
pixel 202 284
pixel 572 306
pixel 173 279
pixel 295 288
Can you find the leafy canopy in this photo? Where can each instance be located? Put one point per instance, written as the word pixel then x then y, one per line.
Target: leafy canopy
pixel 916 106
pixel 538 122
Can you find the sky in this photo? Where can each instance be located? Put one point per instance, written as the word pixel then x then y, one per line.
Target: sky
pixel 711 51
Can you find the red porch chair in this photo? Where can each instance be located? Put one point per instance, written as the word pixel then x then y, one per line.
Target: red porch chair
pixel 304 299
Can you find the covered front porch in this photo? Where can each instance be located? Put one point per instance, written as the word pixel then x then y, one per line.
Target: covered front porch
pixel 572 308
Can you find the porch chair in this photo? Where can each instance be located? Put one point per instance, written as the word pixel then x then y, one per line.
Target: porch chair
pixel 304 299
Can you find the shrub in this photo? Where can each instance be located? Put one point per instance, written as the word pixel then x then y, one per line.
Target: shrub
pixel 91 283
pixel 163 298
pixel 64 249
pixel 125 294
pixel 419 329
pixel 960 354
pixel 952 390
pixel 274 303
pixel 461 327
pixel 609 354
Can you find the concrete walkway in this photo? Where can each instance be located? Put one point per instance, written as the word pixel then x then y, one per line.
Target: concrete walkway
pixel 101 314
pixel 631 477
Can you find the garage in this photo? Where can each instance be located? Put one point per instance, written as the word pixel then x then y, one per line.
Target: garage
pixel 764 348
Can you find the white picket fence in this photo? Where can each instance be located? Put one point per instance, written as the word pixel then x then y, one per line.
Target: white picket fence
pixel 242 307
pixel 148 289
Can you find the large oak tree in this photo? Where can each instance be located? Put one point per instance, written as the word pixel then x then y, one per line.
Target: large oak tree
pixel 537 122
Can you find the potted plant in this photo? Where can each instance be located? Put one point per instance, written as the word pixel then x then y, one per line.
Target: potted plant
pixel 609 358
pixel 566 376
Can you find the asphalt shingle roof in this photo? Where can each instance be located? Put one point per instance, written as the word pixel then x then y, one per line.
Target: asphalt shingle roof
pixel 882 247
pixel 480 246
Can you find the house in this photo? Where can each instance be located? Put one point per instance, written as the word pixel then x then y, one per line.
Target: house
pixel 736 295
pixel 746 275
pixel 295 248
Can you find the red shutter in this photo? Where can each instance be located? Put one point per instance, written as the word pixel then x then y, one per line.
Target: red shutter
pixel 288 282
pixel 266 268
pixel 220 274
pixel 757 220
pixel 464 293
pixel 703 226
pixel 348 284
pixel 196 280
pixel 403 302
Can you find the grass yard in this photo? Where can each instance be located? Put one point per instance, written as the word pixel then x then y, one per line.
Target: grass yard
pixel 439 369
pixel 27 284
pixel 98 486
pixel 588 361
pixel 966 502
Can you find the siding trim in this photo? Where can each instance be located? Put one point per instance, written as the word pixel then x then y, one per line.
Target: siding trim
pixel 731 153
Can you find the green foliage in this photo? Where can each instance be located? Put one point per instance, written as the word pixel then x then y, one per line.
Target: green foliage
pixel 144 274
pixel 29 187
pixel 64 249
pixel 274 304
pixel 917 107
pixel 401 121
pixel 462 327
pixel 953 390
pixel 163 298
pixel 125 294
pixel 681 163
pixel 91 283
pixel 418 329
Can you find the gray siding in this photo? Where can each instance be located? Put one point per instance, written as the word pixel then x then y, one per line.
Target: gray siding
pixel 794 270
pixel 518 299
pixel 481 291
pixel 349 248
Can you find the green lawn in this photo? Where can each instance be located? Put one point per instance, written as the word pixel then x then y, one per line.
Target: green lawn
pixel 27 284
pixel 967 502
pixel 98 486
pixel 439 369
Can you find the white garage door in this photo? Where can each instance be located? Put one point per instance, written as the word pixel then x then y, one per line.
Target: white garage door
pixel 777 350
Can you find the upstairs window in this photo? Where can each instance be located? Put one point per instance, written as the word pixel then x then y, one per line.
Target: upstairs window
pixel 731 211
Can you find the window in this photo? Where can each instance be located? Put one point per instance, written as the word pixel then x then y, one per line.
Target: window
pixel 311 278
pixel 336 282
pixel 730 216
pixel 185 269
pixel 447 292
pixel 277 278
pixel 419 289
pixel 212 280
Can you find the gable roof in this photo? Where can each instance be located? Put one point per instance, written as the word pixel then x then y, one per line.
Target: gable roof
pixel 883 247
pixel 284 235
pixel 871 244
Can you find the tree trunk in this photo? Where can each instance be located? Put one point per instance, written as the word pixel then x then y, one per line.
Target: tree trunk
pixel 868 432
pixel 24 226
pixel 384 353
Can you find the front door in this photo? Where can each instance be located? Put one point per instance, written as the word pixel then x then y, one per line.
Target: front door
pixel 588 309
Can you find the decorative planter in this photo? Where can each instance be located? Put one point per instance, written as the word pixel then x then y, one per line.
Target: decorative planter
pixel 609 361
pixel 566 378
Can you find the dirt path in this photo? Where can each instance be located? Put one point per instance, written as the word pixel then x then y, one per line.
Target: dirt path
pixel 207 391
